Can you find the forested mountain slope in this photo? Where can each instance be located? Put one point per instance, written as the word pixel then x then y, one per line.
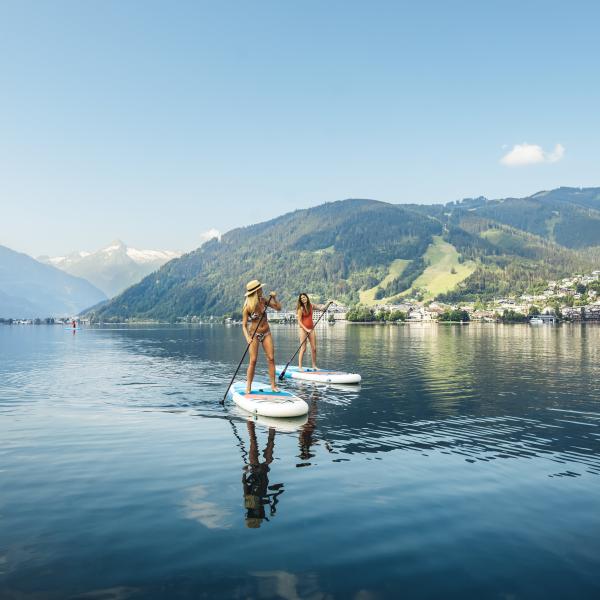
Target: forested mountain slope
pixel 332 250
pixel 374 251
pixel 568 216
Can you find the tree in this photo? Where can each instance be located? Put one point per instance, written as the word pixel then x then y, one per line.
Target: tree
pixel 479 304
pixel 512 316
pixel 455 315
pixel 361 314
pixel 397 315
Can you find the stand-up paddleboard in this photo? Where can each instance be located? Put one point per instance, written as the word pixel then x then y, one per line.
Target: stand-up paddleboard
pixel 318 375
pixel 262 401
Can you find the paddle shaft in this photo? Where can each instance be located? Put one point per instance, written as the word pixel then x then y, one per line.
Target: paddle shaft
pixel 282 374
pixel 247 348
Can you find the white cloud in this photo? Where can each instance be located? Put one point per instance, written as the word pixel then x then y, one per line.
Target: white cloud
pixel 531 154
pixel 556 154
pixel 209 235
pixel 210 514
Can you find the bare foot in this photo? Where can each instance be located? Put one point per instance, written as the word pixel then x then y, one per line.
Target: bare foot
pixel 248 391
pixel 274 388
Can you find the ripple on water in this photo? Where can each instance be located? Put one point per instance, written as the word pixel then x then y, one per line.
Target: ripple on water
pixel 463 446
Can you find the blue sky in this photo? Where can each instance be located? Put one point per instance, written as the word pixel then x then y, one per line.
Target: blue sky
pixel 155 121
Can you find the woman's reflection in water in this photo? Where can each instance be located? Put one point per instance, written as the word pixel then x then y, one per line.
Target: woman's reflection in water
pixel 306 439
pixel 258 494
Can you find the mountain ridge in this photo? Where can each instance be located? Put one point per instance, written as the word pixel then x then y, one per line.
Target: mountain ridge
pixel 117 266
pixel 30 289
pixel 342 248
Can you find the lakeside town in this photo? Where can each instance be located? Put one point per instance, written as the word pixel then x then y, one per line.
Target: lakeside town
pixel 574 299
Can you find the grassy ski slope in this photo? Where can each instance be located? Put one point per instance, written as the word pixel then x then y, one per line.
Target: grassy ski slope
pixel 367 297
pixel 441 258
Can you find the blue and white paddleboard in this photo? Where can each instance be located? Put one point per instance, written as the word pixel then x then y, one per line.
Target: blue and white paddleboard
pixel 318 375
pixel 262 401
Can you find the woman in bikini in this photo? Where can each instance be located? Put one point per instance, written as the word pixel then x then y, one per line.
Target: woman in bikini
pixel 254 307
pixel 304 313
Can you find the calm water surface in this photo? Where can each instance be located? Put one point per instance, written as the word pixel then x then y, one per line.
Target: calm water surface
pixel 466 465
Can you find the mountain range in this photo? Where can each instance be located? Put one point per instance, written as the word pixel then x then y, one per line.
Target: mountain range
pixel 117 266
pixel 30 289
pixel 113 268
pixel 369 251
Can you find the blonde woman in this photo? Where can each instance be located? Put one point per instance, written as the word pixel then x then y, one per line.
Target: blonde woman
pixel 304 314
pixel 256 330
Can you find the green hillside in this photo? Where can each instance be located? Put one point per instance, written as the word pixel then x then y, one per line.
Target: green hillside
pixel 333 250
pixel 509 260
pixel 370 251
pixel 568 216
pixel 444 270
pixel 369 296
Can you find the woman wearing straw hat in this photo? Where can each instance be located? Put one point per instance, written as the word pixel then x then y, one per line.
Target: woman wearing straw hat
pixel 256 329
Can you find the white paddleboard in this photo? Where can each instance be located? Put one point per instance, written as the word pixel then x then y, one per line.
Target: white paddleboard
pixel 262 401
pixel 318 375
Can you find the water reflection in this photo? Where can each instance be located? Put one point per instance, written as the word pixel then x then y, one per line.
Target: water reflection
pixel 112 440
pixel 259 495
pixel 306 438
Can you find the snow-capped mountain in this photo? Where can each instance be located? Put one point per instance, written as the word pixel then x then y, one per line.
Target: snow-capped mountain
pixel 116 267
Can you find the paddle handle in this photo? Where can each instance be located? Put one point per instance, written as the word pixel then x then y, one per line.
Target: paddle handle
pixel 282 374
pixel 222 401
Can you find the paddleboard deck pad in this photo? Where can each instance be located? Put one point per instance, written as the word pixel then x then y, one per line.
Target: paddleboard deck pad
pixel 318 375
pixel 262 401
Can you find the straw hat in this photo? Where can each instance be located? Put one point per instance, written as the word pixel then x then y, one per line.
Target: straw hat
pixel 253 286
pixel 253 523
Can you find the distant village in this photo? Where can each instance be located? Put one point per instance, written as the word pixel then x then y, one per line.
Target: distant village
pixel 574 299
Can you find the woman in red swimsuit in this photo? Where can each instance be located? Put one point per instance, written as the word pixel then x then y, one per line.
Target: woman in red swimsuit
pixel 304 313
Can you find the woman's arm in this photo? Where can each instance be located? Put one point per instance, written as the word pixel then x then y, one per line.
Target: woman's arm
pixel 245 324
pixel 275 304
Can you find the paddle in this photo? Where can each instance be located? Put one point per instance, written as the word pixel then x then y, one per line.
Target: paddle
pixel 282 374
pixel 247 348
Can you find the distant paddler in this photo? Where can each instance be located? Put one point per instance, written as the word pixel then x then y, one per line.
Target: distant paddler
pixel 306 326
pixel 255 326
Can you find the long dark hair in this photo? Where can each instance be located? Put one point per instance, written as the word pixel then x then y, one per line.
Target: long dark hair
pixel 308 304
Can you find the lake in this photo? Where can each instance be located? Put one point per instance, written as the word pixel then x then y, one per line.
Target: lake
pixel 467 464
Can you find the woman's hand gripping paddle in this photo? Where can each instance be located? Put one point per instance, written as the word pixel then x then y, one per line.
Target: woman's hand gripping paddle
pixel 282 374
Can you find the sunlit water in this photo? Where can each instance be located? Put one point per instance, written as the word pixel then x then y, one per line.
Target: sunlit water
pixel 467 464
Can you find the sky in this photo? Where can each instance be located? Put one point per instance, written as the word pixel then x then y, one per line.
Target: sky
pixel 153 122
